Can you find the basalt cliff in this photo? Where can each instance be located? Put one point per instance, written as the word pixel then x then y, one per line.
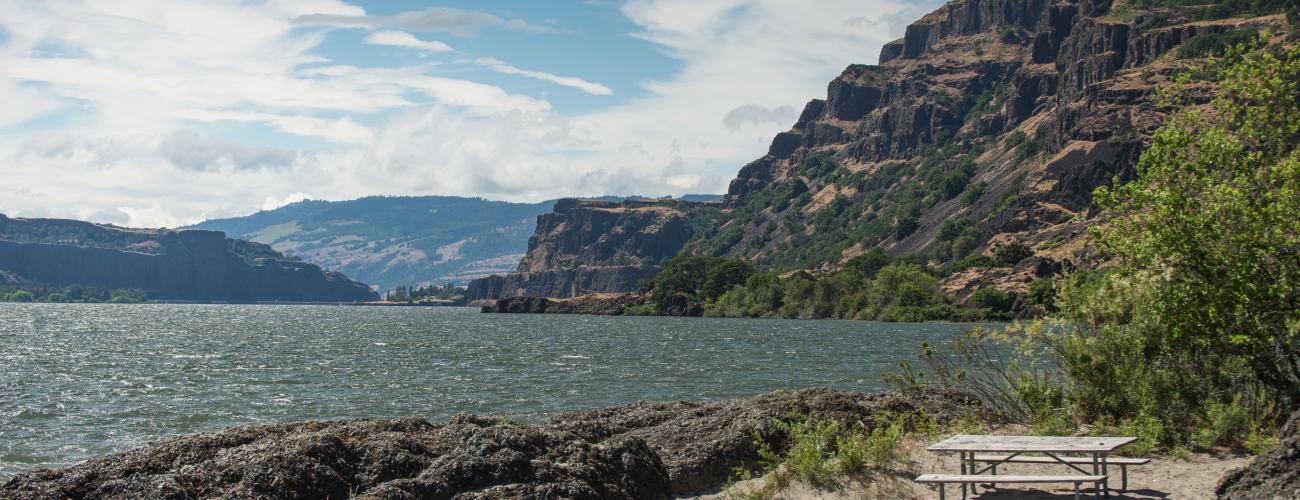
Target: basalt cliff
pixel 195 265
pixel 988 124
pixel 594 246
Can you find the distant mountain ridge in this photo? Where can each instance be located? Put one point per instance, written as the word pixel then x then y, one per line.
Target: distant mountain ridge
pixel 390 241
pixel 166 264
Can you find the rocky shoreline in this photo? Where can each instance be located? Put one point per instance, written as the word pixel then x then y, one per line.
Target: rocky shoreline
pixel 640 450
pixel 644 450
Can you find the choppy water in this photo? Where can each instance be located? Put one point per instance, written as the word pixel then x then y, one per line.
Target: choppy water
pixel 82 380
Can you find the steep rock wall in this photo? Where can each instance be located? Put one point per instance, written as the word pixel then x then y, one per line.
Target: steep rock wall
pixel 590 246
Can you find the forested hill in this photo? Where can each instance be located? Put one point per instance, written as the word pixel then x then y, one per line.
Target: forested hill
pixel 161 264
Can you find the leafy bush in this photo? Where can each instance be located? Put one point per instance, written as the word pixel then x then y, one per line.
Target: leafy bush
pixel 1214 44
pixel 1009 35
pixel 991 298
pixel 1011 254
pixel 702 279
pixel 822 453
pixel 1042 293
pixel 20 296
pixel 973 192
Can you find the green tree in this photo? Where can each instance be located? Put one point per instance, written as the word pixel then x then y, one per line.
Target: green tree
pixel 1210 225
pixel 20 296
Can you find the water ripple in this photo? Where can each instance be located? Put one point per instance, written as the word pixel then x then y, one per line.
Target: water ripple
pixel 82 380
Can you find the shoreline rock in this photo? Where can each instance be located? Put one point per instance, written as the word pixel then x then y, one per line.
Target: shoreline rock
pixel 640 450
pixel 1275 474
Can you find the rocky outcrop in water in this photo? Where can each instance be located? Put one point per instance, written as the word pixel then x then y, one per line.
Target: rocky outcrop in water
pixel 594 246
pixel 166 264
pixel 1273 475
pixel 643 450
pixel 607 304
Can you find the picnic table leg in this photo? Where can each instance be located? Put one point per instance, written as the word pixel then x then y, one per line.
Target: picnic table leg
pixel 1096 469
pixel 963 472
pixel 973 470
pixel 1076 491
pixel 1106 482
pixel 1123 468
pixel 942 486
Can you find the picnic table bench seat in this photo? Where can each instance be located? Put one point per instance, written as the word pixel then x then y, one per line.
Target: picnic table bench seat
pixel 1122 462
pixel 943 479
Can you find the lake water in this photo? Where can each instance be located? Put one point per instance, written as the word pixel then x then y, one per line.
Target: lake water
pixel 81 380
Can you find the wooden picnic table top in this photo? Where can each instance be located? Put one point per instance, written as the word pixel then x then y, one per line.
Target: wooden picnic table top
pixel 1045 444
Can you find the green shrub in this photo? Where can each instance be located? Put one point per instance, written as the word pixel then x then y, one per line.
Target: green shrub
pixel 1009 35
pixel 1011 254
pixel 973 192
pixel 1214 44
pixel 992 298
pixel 1042 293
pixel 699 278
pixel 20 296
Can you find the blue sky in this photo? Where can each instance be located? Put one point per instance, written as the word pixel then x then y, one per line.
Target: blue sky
pixel 165 113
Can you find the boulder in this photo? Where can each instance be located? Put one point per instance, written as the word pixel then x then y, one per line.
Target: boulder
pixel 469 457
pixel 702 442
pixel 1273 475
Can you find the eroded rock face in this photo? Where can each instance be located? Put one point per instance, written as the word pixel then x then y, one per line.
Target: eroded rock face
pixel 1037 102
pixel 1273 475
pixel 167 264
pixel 644 450
pixel 592 246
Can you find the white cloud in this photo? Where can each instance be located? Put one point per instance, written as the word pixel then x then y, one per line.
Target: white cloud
pixel 457 22
pixel 407 40
pixel 295 197
pixel 567 81
pixel 342 130
pixel 759 115
pixel 151 82
pixel 34 103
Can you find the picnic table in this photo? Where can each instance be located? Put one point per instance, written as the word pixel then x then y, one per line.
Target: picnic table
pixel 1009 449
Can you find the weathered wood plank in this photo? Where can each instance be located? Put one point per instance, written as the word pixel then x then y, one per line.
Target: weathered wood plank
pixel 966 478
pixel 1049 460
pixel 1046 444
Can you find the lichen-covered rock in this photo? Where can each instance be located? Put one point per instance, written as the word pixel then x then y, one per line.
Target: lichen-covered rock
pixel 470 457
pixel 643 450
pixel 1273 475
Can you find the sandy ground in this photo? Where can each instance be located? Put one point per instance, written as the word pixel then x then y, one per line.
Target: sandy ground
pixel 1165 478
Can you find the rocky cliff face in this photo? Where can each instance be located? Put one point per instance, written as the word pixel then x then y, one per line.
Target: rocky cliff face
pixel 990 121
pixel 167 264
pixel 588 246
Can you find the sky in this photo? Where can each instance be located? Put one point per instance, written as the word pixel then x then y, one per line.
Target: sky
pixel 161 114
